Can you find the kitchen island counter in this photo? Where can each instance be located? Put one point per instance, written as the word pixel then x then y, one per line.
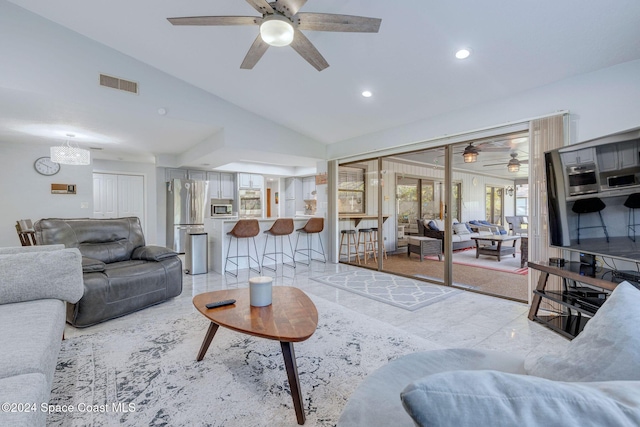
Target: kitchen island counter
pixel 217 229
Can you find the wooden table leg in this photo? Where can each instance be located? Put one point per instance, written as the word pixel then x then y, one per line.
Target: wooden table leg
pixel 294 381
pixel 211 332
pixel 499 249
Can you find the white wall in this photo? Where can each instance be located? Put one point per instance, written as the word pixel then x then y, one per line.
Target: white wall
pixel 601 103
pixel 43 59
pixel 27 195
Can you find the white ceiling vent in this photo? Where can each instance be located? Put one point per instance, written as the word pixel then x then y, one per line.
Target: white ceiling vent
pixel 120 84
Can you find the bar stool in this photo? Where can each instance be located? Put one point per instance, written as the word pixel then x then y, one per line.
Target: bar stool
pixel 244 229
pixel 351 242
pixel 591 205
pixel 313 226
pixel 365 239
pixel 633 203
pixel 375 242
pixel 280 228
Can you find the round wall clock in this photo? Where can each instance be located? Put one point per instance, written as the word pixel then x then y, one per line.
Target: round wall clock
pixel 45 166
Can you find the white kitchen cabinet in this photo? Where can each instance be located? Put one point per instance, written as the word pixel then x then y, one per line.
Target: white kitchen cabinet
pixel 613 157
pixel 577 157
pixel 607 158
pixel 197 175
pixel 308 187
pixel 227 186
pixel 221 185
pixel 250 181
pixel 628 154
pixel 290 208
pixel 292 188
pixel 170 174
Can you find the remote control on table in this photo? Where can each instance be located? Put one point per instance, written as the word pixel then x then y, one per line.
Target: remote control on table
pixel 220 303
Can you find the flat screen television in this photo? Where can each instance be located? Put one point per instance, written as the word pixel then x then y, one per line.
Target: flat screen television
pixel 590 187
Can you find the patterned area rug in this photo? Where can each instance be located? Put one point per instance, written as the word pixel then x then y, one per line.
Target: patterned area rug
pixel 148 376
pixel 388 288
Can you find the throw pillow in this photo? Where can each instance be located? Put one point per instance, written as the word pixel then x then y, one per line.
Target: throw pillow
pixel 490 398
pixel 440 224
pixel 608 348
pixel 432 225
pixel 484 222
pixel 460 229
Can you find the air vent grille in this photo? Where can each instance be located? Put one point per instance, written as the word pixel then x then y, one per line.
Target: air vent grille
pixel 120 84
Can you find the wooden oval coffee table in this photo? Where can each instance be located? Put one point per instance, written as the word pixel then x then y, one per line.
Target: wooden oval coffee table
pixel 292 317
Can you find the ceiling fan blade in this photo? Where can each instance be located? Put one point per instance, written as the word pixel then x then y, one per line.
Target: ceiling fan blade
pixel 261 6
pixel 493 149
pixel 216 20
pixel 308 51
pixel 289 7
pixel 257 49
pixel 340 23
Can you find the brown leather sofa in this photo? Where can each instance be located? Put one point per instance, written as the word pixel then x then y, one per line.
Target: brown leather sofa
pixel 121 274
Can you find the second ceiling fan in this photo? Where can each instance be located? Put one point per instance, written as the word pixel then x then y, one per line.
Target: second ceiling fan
pixel 280 25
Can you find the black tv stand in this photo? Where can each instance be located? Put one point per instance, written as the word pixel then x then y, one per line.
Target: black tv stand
pixel 622 275
pixel 577 309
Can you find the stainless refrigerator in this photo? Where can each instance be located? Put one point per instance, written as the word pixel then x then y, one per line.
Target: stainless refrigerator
pixel 186 205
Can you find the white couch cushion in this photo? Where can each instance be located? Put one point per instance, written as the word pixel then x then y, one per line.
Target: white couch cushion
pixel 460 228
pixel 607 349
pixel 490 398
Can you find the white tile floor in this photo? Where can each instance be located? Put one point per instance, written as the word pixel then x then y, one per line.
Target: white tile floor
pixel 463 320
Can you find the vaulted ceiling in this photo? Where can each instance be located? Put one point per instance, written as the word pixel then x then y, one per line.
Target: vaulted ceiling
pixel 409 66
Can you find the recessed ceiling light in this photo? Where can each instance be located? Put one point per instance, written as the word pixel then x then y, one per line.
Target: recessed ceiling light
pixel 367 94
pixel 463 53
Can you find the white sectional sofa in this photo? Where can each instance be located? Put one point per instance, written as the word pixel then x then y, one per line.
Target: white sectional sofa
pixel 35 283
pixel 595 381
pixel 462 232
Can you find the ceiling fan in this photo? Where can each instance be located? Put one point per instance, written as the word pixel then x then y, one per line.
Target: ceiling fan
pixel 280 25
pixel 513 165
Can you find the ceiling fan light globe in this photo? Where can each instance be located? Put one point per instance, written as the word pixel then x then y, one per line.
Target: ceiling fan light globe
pixel 276 31
pixel 470 156
pixel 513 167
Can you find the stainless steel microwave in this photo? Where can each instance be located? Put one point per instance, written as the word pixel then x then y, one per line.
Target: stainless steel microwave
pixel 582 179
pixel 221 210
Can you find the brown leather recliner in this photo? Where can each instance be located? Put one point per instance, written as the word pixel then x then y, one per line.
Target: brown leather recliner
pixel 121 274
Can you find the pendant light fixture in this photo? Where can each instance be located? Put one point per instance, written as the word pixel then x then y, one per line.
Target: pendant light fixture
pixel 514 163
pixel 470 154
pixel 67 154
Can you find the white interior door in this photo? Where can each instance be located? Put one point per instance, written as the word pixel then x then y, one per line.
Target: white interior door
pixel 105 188
pixel 118 196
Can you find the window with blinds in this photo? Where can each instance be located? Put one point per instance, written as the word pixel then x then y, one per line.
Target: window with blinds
pixel 351 190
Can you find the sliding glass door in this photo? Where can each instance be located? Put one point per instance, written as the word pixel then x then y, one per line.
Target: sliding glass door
pixel 412 214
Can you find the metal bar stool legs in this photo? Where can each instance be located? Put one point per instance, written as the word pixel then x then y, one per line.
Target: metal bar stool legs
pixel 590 205
pixel 632 202
pixel 244 229
pixel 282 227
pixel 313 227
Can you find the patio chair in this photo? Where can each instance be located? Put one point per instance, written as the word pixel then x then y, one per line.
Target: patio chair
pixel 517 224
